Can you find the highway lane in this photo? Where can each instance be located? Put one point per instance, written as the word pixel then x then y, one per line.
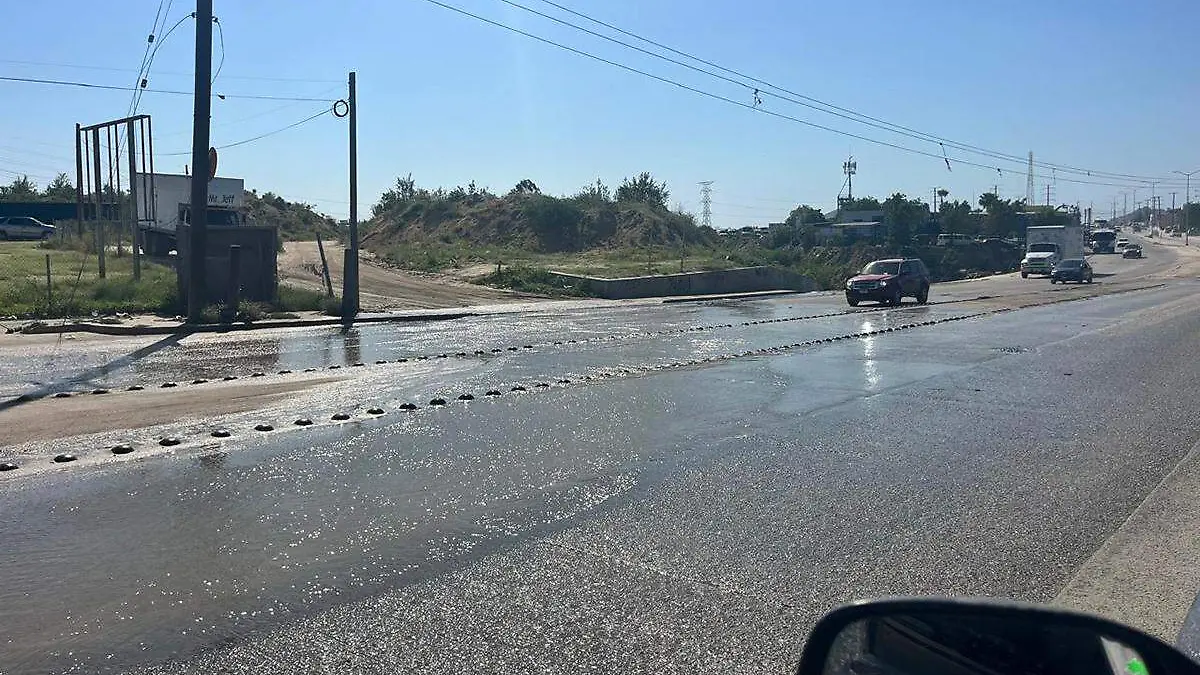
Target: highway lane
pixel 52 364
pixel 665 519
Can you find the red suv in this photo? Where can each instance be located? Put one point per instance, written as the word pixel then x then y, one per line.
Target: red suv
pixel 889 281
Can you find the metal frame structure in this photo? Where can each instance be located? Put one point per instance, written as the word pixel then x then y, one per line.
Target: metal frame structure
pixel 95 160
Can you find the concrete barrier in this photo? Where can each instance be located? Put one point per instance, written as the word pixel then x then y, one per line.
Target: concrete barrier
pixel 737 280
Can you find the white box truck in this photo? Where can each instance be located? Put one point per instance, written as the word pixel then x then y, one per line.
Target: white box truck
pixel 1046 245
pixel 163 203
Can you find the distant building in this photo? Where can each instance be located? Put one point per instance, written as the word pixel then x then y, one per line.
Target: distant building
pixel 843 216
pixel 849 231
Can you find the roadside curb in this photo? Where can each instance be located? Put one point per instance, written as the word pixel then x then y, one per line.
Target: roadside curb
pixel 107 329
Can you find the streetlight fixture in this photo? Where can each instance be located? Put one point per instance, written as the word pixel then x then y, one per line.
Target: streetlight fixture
pixel 1187 199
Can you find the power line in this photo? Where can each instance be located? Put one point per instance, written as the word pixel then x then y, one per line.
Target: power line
pixel 239 120
pixel 110 87
pixel 144 74
pixel 324 111
pixel 146 52
pixel 865 119
pixel 748 106
pixel 111 69
pixel 221 35
pixel 37 153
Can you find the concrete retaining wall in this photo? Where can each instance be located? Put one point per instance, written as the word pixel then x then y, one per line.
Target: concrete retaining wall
pixel 737 280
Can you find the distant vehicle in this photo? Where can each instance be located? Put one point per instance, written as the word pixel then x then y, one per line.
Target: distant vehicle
pixel 1137 227
pixel 954 240
pixel 1104 241
pixel 889 281
pixel 24 227
pixel 1049 244
pixel 1132 251
pixel 1072 269
pixel 1122 243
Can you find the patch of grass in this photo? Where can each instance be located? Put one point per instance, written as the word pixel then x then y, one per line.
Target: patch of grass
pixel 533 280
pixel 76 288
pixel 293 299
pixel 614 262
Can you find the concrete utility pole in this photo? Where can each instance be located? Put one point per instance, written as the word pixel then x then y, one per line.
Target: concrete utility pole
pixel 198 210
pixel 350 274
pixel 1187 199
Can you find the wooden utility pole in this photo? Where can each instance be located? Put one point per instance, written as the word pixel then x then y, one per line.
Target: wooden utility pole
pixel 324 267
pixel 198 209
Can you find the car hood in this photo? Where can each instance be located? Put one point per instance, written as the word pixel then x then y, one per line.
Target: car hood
pixel 873 277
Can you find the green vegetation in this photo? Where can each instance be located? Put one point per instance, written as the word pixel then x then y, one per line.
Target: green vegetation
pixel 532 280
pixel 296 221
pixel 631 232
pixel 75 286
pixel 526 220
pixel 77 290
pixel 293 299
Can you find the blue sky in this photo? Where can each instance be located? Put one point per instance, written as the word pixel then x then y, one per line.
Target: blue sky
pixel 1095 84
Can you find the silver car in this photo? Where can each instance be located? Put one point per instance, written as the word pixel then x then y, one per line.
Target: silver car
pixel 24 227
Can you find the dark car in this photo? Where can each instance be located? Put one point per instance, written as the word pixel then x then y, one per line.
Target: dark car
pixel 1072 269
pixel 1132 251
pixel 24 227
pixel 888 281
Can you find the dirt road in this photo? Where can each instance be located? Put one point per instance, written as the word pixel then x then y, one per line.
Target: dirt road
pixel 384 288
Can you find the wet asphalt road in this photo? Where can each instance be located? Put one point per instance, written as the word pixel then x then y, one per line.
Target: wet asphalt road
pixel 676 517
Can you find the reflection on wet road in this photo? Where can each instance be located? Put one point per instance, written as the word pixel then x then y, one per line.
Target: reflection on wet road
pixel 715 508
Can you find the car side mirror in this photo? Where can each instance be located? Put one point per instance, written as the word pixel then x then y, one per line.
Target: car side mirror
pixel 980 637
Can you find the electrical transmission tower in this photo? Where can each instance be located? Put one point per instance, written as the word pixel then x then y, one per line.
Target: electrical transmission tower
pixel 1029 182
pixel 706 203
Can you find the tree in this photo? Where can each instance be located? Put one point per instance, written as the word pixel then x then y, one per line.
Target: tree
pixel 20 190
pixel 644 189
pixel 525 187
pixel 804 215
pixel 861 204
pixel 596 192
pixel 59 189
pixel 903 216
pixel 955 217
pixel 404 191
pixel 1001 217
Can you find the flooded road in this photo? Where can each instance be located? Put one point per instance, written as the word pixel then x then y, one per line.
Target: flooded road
pixel 672 513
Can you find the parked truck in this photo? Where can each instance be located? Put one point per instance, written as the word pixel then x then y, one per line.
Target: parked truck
pixel 1046 245
pixel 167 203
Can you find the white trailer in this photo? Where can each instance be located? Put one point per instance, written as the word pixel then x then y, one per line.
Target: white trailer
pixel 167 201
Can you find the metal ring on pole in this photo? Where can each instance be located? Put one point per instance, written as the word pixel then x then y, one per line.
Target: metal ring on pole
pixel 344 109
